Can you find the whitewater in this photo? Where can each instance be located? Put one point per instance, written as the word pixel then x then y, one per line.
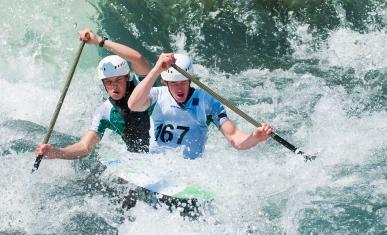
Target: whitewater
pixel 317 72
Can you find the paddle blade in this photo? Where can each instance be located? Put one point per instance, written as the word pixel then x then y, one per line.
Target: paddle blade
pixel 291 147
pixel 37 163
pixel 306 156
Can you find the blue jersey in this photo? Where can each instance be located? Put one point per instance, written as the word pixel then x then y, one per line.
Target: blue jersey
pixel 183 126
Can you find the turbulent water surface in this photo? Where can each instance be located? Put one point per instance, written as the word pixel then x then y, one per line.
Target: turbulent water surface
pixel 315 70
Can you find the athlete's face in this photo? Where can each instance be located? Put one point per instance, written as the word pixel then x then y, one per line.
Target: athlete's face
pixel 116 86
pixel 179 90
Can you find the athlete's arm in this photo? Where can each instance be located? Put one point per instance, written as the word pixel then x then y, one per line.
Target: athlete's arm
pixel 75 151
pixel 139 100
pixel 242 140
pixel 138 62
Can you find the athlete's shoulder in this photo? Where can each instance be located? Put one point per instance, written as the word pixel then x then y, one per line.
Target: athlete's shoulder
pixel 105 105
pixel 158 92
pixel 204 95
pixel 201 92
pixel 160 88
pixel 104 108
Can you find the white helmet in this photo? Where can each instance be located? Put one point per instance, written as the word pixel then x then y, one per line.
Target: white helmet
pixel 172 75
pixel 112 66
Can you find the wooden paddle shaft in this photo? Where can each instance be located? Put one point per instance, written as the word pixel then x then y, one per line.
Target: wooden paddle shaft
pixel 59 104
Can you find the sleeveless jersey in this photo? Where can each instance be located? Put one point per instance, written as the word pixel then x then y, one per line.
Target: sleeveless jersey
pixel 185 125
pixel 133 127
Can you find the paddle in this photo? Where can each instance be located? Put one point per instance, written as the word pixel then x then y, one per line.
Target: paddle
pixel 59 105
pixel 243 114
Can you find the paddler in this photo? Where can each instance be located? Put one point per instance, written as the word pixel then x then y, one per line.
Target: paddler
pixel 181 114
pixel 114 114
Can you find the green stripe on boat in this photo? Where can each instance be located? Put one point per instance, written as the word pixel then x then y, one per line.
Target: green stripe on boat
pixel 195 192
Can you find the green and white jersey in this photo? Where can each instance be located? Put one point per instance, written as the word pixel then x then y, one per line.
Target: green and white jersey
pixel 133 127
pixel 107 117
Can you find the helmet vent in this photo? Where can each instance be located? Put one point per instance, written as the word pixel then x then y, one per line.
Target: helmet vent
pixel 112 66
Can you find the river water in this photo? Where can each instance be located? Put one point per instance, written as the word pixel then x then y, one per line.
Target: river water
pixel 315 70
